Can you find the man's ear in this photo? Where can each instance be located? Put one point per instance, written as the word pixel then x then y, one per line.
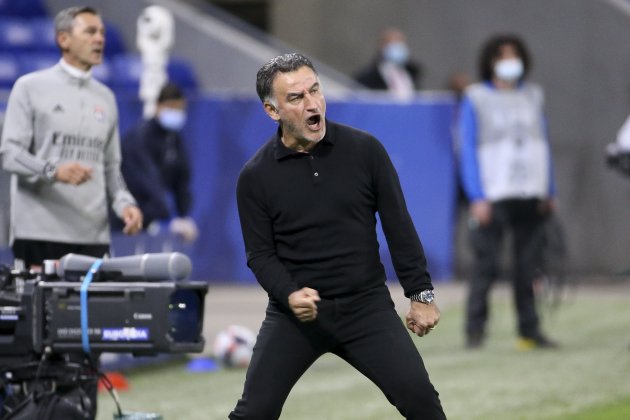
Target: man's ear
pixel 62 40
pixel 272 111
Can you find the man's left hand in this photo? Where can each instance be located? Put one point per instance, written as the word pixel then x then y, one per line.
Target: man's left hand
pixel 132 216
pixel 422 318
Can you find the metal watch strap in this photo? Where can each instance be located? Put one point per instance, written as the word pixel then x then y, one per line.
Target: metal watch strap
pixel 426 296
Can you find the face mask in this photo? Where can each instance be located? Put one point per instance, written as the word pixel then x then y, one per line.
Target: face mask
pixel 172 119
pixel 509 70
pixel 396 52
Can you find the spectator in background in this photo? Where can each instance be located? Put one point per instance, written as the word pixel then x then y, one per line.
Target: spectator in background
pixel 156 166
pixel 60 143
pixel 392 70
pixel 506 169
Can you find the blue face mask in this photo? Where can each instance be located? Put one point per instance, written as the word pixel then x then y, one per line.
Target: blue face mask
pixel 172 119
pixel 396 52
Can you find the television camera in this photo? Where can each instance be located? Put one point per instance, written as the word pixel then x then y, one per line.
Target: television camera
pixel 80 306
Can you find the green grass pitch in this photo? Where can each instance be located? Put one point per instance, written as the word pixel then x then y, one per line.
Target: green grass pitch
pixel 587 378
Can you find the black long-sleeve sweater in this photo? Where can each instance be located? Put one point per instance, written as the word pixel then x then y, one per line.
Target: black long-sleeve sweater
pixel 309 219
pixel 154 165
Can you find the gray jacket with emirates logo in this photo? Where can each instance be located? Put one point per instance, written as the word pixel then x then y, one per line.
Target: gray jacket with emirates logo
pixel 54 117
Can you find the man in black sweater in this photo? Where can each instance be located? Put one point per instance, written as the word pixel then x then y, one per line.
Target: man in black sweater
pixel 307 202
pixel 156 167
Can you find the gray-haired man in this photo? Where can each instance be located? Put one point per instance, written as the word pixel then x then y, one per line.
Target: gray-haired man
pixel 60 141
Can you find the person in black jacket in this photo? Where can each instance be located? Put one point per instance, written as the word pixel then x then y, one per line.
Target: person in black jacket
pixel 393 70
pixel 156 167
pixel 307 203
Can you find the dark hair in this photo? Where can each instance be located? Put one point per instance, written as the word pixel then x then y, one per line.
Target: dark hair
pixel 281 64
pixel 169 92
pixel 491 50
pixel 65 19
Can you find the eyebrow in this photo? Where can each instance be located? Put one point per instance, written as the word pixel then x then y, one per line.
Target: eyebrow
pixel 292 95
pixel 94 27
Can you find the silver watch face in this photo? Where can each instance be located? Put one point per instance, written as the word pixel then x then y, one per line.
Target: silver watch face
pixel 49 171
pixel 427 296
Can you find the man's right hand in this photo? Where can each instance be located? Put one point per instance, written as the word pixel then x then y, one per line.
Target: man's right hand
pixel 303 303
pixel 481 212
pixel 73 173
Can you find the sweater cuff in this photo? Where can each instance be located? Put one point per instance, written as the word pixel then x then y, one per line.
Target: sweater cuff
pixel 284 295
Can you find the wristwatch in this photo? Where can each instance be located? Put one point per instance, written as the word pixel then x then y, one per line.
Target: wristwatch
pixel 50 170
pixel 425 296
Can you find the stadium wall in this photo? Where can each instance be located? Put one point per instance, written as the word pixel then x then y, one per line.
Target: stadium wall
pixel 222 133
pixel 580 57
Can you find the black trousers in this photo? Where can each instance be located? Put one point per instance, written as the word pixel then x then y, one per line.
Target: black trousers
pixel 35 252
pixel 525 220
pixel 363 330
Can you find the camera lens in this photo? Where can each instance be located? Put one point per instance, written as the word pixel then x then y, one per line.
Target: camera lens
pixel 185 315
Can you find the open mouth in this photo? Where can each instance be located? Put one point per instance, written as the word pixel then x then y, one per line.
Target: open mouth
pixel 314 122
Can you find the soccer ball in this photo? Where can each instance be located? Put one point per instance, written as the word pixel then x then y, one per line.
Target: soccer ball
pixel 233 346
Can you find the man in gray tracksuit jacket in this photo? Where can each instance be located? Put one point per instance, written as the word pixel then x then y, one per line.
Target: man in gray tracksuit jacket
pixel 60 141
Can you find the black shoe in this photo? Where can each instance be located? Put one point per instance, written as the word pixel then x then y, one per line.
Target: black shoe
pixel 474 341
pixel 538 341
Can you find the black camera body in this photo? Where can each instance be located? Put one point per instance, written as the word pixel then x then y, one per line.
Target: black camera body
pixel 135 305
pixel 55 324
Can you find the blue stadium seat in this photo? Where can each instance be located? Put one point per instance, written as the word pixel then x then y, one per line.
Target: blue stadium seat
pixel 114 43
pixel 44 31
pixel 181 72
pixel 5 8
pixel 38 34
pixel 44 37
pixel 30 62
pixel 16 35
pixel 126 71
pixel 22 8
pixel 9 70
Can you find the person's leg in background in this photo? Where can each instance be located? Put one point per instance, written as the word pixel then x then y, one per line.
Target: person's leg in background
pixel 528 248
pixel 486 245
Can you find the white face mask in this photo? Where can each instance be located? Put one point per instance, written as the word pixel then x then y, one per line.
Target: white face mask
pixel 509 69
pixel 396 52
pixel 172 119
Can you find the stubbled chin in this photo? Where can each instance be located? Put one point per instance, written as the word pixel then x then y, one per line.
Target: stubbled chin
pixel 317 135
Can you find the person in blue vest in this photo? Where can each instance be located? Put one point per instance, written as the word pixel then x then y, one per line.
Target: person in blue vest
pixel 506 169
